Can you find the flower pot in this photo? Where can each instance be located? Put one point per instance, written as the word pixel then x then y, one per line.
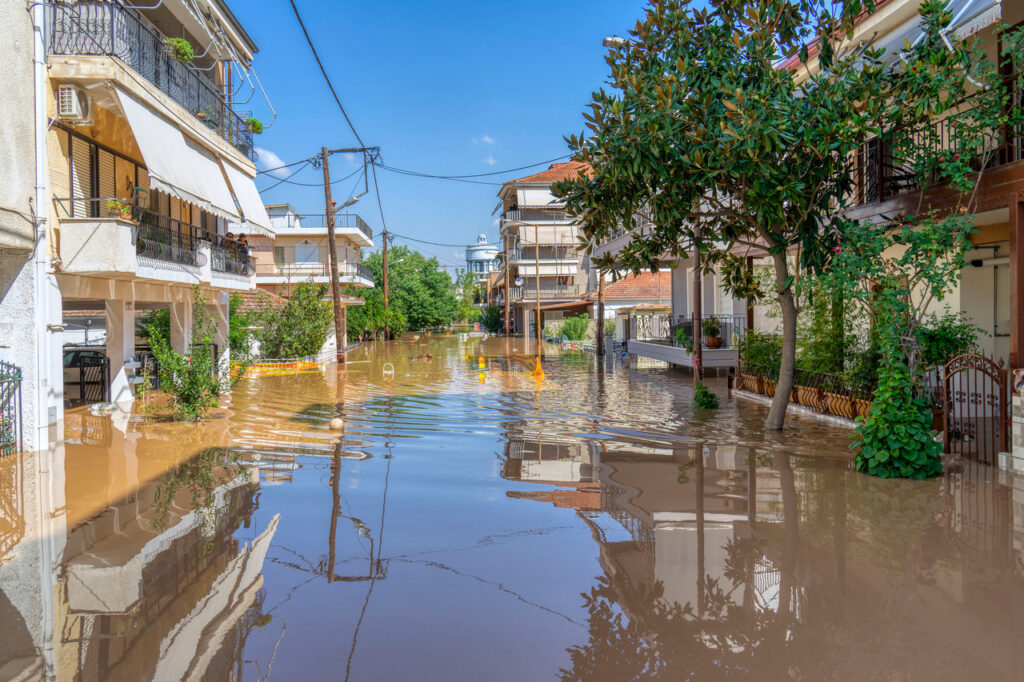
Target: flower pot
pixel 769 387
pixel 713 341
pixel 861 408
pixel 807 396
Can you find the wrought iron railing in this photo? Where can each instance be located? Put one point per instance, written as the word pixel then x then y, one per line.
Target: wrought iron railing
pixel 11 435
pixel 877 176
pixel 528 290
pixel 110 29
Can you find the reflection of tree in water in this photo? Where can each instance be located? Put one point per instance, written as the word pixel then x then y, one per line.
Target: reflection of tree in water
pixel 201 475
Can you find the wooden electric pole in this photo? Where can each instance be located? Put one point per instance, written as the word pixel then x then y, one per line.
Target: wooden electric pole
pixel 384 253
pixel 508 302
pixel 332 251
pixel 600 312
pixel 698 359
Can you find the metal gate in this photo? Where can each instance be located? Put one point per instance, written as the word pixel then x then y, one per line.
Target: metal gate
pixel 975 407
pixel 88 380
pixel 10 409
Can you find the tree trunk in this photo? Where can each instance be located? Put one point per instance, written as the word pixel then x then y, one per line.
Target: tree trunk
pixel 777 414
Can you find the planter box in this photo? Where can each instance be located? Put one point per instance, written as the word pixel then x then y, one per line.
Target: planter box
pixel 839 405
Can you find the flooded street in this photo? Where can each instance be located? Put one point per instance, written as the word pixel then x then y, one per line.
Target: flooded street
pixel 476 522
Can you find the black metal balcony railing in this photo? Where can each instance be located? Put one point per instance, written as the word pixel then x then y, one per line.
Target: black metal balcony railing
pixel 300 271
pixel 112 30
pixel 166 238
pixel 660 328
pixel 877 175
pixel 341 221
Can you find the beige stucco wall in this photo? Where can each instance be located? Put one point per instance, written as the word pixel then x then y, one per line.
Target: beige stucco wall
pixel 17 146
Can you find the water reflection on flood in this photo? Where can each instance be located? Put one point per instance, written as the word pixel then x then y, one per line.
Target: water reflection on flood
pixel 475 521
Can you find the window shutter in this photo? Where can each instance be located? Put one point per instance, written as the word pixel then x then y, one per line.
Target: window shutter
pixel 278 255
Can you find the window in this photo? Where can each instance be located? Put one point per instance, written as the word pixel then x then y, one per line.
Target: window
pixel 306 252
pixel 278 255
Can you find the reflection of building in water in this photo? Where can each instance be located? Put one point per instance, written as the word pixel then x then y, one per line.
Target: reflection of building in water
pixel 142 580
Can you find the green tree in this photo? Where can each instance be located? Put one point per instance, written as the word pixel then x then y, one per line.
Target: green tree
pixel 419 288
pixel 371 319
pixel 299 326
pixel 704 134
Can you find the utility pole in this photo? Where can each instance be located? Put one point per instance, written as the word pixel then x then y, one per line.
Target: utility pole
pixel 384 252
pixel 600 312
pixel 332 250
pixel 698 359
pixel 508 303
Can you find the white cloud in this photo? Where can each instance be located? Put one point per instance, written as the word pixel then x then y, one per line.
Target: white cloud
pixel 351 158
pixel 490 161
pixel 483 139
pixel 267 159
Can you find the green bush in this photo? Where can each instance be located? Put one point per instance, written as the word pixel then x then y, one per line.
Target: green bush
pixel 761 352
pixel 490 318
pixel 683 339
pixel 704 399
pixel 191 378
pixel 941 338
pixel 609 327
pixel 575 328
pixel 300 326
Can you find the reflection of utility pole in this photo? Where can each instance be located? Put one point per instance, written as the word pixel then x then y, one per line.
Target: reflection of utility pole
pixel 700 527
pixel 698 359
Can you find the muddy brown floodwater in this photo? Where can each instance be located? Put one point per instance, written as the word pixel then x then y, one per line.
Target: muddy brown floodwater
pixel 476 522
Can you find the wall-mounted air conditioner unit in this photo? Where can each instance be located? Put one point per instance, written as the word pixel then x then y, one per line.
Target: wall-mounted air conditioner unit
pixel 73 104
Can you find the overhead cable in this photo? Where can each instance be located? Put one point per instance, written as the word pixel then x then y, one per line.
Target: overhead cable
pixel 324 72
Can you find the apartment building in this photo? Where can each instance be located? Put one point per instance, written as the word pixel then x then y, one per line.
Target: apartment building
pixel 540 239
pixel 139 161
pixel 298 251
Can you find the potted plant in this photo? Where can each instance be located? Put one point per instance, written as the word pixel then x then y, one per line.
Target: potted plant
pixel 120 208
pixel 180 49
pixel 712 328
pixel 253 125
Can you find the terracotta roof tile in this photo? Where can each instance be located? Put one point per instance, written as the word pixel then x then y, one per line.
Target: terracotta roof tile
pixel 254 299
pixel 556 172
pixel 647 286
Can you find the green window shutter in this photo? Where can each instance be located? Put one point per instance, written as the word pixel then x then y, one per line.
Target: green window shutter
pixel 278 255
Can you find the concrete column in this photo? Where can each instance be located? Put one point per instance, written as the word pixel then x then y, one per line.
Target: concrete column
pixel 181 326
pixel 120 316
pixel 219 312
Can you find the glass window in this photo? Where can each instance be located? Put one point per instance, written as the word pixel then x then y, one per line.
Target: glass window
pixel 306 252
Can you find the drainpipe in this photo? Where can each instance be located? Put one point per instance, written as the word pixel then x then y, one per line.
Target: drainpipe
pixel 43 284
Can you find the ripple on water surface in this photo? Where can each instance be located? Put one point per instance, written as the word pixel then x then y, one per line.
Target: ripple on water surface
pixel 476 521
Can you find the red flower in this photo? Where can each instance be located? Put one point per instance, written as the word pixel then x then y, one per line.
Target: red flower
pixel 956 157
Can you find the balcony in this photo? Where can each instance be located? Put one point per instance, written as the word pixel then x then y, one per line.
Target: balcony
pixel 877 175
pixel 653 335
pixel 302 271
pixel 548 291
pixel 109 29
pixel 95 240
pixel 532 215
pixel 342 221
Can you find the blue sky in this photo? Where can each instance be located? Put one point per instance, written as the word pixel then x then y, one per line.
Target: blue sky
pixel 443 87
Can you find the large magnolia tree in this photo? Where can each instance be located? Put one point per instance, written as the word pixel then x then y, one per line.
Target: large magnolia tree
pixel 723 128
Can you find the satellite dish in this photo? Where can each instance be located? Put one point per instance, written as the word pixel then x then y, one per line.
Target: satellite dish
pixel 519 281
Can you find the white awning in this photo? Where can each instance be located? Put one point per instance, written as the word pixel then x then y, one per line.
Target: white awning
pixel 174 166
pixel 544 234
pixel 967 18
pixel 253 210
pixel 210 176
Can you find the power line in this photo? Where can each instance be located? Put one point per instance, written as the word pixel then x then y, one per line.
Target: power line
pixel 294 173
pixel 423 241
pixel 314 184
pixel 424 174
pixel 326 77
pixel 287 165
pixel 380 206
